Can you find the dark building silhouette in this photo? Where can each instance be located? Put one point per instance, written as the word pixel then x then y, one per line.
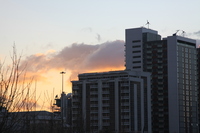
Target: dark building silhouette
pixel 33 122
pixel 64 108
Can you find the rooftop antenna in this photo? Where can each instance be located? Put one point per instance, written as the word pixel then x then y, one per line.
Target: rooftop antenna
pixel 183 33
pixel 176 32
pixel 147 24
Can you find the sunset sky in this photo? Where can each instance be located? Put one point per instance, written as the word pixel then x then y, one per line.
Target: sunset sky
pixel 83 36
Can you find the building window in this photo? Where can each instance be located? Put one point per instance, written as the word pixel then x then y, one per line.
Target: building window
pixel 137 67
pixel 136 56
pixel 136 61
pixel 138 51
pixel 136 46
pixel 135 41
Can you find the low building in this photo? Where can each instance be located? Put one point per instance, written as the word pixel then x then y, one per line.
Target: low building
pixel 33 121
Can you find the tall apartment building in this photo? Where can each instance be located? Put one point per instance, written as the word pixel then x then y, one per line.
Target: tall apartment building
pixel 116 101
pixel 198 65
pixel 172 63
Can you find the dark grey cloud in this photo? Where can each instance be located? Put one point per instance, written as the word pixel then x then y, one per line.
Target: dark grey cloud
pixel 109 54
pixel 98 37
pixel 197 33
pixel 79 58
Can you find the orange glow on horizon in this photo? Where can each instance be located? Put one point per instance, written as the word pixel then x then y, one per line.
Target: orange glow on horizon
pixel 48 84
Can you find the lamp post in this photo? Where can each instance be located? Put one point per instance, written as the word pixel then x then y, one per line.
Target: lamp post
pixel 62 79
pixel 62 99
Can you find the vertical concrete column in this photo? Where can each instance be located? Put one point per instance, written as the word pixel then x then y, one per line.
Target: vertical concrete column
pixel 84 103
pixel 135 107
pixel 99 105
pixel 116 105
pixel 142 102
pixel 149 103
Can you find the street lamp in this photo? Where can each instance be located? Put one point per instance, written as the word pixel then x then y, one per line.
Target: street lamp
pixel 62 79
pixel 62 99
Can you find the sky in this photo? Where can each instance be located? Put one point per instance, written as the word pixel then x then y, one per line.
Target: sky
pixel 79 36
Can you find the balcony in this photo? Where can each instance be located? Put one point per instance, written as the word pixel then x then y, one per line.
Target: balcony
pixel 124 97
pixel 75 100
pixel 105 92
pixel 105 98
pixel 75 88
pixel 93 117
pixel 75 106
pixel 125 110
pixel 74 118
pixel 75 112
pixel 94 99
pixel 93 105
pixel 124 84
pixel 106 117
pixel 93 92
pixel 93 111
pixel 124 90
pixel 125 123
pixel 160 72
pixel 105 86
pixel 93 86
pixel 125 117
pixel 106 124
pixel 106 111
pixel 149 52
pixel 125 104
pixel 106 105
pixel 94 124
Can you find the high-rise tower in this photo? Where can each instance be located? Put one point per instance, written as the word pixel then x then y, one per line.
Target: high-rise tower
pixel 134 46
pixel 172 63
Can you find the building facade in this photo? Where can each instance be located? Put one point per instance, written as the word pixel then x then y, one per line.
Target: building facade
pixel 116 101
pixel 198 66
pixel 172 63
pixel 32 122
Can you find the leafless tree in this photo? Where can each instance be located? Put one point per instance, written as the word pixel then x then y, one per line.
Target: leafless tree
pixel 15 93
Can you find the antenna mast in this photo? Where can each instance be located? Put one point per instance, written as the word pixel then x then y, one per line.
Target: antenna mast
pixel 147 24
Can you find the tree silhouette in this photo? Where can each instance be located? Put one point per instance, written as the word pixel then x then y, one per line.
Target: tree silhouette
pixel 15 94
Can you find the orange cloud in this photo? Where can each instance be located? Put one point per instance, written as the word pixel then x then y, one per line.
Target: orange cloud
pixel 78 58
